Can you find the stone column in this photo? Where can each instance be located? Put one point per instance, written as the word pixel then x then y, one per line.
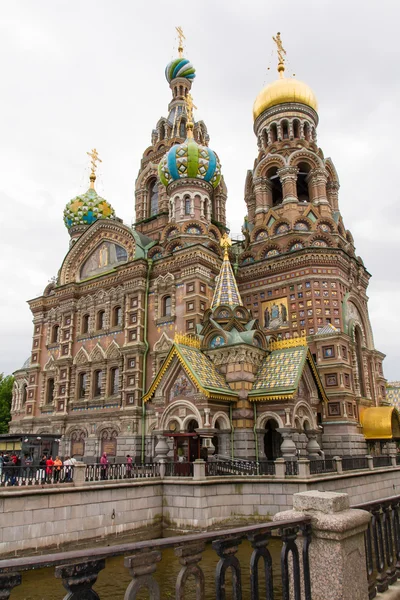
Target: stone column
pixel 288 177
pixel 79 473
pixel 337 552
pixel 199 469
pixel 317 179
pixel 332 192
pixel 288 447
pixel 262 188
pixel 313 448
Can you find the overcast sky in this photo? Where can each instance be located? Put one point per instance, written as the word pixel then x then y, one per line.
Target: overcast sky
pixel 79 74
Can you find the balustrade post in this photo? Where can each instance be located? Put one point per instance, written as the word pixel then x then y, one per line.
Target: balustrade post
pixel 8 581
pixel 280 467
pixel 393 460
pixel 337 552
pixel 370 460
pixel 199 469
pixel 226 550
pixel 338 463
pixel 303 467
pixel 79 579
pixel 162 467
pixel 189 557
pixel 79 473
pixel 141 567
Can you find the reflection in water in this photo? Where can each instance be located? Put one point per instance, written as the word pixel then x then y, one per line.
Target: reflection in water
pixel 114 579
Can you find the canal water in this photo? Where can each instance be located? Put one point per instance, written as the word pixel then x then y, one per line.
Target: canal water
pixel 114 579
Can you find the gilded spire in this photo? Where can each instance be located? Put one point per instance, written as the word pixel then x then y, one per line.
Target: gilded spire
pixel 95 159
pixel 181 37
pixel 226 291
pixel 189 111
pixel 281 54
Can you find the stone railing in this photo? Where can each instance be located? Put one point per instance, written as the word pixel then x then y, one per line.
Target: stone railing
pixel 79 570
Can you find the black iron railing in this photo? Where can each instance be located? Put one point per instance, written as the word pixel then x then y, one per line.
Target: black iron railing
pixel 179 469
pixel 382 461
pixel 25 476
pixel 232 467
pixel 79 569
pixel 266 467
pixel 397 459
pixel 319 466
pixel 291 467
pixel 99 472
pixel 382 543
pixel 354 463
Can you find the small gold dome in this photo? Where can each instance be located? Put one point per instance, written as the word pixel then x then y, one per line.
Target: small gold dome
pixel 282 91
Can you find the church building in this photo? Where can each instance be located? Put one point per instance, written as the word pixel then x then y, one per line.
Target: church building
pixel 255 348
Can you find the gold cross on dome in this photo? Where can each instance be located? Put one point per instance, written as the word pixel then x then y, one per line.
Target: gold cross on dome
pixel 281 53
pixel 181 38
pixel 95 158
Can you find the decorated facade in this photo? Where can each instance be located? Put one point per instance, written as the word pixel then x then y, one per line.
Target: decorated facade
pixel 167 330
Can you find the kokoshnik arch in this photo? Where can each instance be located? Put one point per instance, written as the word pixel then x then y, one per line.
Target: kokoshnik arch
pixel 148 331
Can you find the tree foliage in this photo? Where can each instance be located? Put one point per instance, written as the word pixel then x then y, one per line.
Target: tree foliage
pixel 6 385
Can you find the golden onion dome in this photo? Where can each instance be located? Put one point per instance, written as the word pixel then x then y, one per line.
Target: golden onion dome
pixel 282 91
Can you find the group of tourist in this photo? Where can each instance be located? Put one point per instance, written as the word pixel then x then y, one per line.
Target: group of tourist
pixel 14 467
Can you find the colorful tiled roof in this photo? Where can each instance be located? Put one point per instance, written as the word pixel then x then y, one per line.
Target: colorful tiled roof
pixel 393 393
pixel 201 371
pixel 279 374
pixel 226 291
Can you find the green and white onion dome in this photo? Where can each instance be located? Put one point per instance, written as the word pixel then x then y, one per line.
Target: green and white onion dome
pixel 190 160
pixel 87 208
pixel 180 67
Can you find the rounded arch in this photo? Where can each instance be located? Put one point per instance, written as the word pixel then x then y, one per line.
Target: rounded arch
pixel 247 258
pixel 267 163
pixel 279 228
pixel 222 419
pixel 331 170
pixel 320 237
pixel 306 157
pixel 267 416
pixel 197 224
pixel 259 234
pixel 298 224
pixel 170 230
pixel 76 429
pixel 364 323
pixel 303 412
pixel 295 244
pixel 168 415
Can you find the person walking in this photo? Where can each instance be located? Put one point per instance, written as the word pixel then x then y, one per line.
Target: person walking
pixel 128 466
pixel 57 469
pixel 104 466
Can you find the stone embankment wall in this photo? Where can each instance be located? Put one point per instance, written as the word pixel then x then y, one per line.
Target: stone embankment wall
pixel 37 518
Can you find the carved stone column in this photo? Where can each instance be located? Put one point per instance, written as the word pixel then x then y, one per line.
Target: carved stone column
pixel 332 192
pixel 288 177
pixel 313 448
pixel 263 194
pixel 317 179
pixel 288 447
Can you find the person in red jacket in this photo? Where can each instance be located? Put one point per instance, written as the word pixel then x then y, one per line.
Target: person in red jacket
pixel 49 468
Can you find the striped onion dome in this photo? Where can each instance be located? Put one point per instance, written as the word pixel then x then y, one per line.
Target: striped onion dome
pixel 190 160
pixel 180 67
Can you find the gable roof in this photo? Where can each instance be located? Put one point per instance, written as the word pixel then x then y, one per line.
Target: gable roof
pixel 279 374
pixel 200 370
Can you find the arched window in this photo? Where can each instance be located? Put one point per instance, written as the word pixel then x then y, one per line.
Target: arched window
pixel 265 138
pixel 285 130
pixel 360 363
pixel 307 132
pixel 24 393
pixel 101 315
pixel 296 128
pixel 114 381
pixel 50 391
pixel 97 380
pixel 117 316
pixel 54 334
pixel 273 133
pixel 188 205
pixel 302 189
pixel 153 192
pixel 166 306
pixel 182 129
pixel 276 186
pixel 85 324
pixel 82 383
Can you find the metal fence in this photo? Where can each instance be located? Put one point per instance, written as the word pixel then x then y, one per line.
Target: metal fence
pixel 291 467
pixel 382 543
pixel 11 475
pixel 79 569
pixel 319 466
pixel 354 463
pixel 382 461
pixel 99 472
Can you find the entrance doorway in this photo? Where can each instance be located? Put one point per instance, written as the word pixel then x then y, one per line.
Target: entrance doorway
pixel 272 440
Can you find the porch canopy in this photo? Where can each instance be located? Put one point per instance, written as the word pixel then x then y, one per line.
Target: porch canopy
pixel 381 423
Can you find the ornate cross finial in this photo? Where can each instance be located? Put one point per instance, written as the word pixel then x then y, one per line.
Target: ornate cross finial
pixel 189 111
pixel 181 38
pixel 281 53
pixel 95 159
pixel 225 243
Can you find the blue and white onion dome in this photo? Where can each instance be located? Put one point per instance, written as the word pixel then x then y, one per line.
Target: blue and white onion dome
pixel 190 160
pixel 87 208
pixel 180 67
